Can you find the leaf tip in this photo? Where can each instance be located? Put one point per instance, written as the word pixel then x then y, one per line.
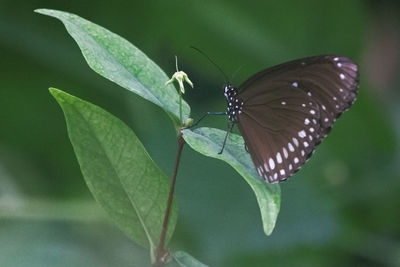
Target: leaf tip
pixel 268 230
pixel 54 91
pixel 50 12
pixel 43 11
pixel 58 94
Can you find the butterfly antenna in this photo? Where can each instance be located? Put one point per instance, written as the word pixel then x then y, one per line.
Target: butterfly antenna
pixel 236 72
pixel 209 59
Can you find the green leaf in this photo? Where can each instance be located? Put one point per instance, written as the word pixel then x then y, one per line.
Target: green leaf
pixel 208 141
pixel 116 59
pixel 185 260
pixel 118 170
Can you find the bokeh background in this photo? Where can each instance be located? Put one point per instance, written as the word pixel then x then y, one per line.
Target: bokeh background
pixel 341 209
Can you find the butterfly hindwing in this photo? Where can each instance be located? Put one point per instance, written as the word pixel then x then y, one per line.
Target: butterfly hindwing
pixel 280 136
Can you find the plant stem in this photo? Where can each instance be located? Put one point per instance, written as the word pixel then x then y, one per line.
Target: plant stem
pixel 161 252
pixel 180 94
pixel 180 107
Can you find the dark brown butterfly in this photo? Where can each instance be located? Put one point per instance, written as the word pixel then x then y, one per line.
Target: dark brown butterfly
pixel 285 111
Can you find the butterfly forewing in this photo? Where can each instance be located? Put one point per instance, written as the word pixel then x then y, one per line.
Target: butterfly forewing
pixel 288 109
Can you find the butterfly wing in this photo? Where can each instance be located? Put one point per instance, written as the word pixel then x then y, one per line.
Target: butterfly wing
pixel 288 109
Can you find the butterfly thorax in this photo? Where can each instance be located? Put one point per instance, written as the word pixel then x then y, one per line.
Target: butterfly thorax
pixel 235 104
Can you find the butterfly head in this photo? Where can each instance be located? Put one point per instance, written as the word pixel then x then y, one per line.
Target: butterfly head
pixel 235 104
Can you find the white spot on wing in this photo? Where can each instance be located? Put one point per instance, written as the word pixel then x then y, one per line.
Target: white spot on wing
pixel 295 141
pixel 306 121
pixel 282 171
pixel 271 163
pixel 305 144
pixel 342 76
pixel 295 84
pixel 312 111
pixel 259 171
pixel 290 146
pixel 302 134
pixel 266 167
pixel 285 153
pixel 296 160
pixel 279 158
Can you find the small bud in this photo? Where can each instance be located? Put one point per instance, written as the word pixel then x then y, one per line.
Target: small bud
pixel 180 77
pixel 188 122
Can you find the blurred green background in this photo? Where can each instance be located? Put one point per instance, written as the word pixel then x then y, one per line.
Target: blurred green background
pixel 341 209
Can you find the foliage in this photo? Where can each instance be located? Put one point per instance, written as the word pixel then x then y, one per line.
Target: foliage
pixel 118 170
pixel 340 209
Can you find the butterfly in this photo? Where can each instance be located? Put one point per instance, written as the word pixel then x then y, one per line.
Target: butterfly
pixel 284 112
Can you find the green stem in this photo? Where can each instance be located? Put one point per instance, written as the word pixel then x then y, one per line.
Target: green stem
pixel 180 108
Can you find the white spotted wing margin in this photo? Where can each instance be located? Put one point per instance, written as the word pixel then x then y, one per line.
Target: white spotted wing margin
pixel 207 141
pixel 288 109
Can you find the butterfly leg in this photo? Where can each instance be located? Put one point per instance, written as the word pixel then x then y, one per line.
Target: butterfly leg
pixel 205 115
pixel 230 127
